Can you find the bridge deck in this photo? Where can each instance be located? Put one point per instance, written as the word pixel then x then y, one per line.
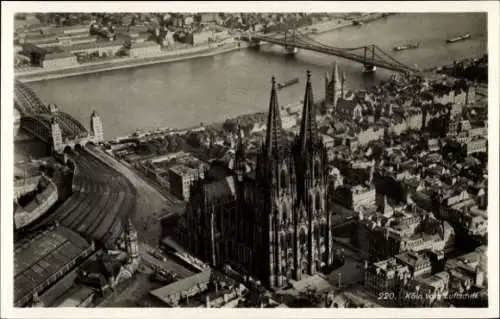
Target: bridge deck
pixel 343 53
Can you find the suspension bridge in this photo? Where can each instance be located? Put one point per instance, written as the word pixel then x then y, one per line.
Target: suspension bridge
pixel 371 56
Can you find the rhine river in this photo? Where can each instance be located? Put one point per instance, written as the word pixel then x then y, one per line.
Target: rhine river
pixel 182 94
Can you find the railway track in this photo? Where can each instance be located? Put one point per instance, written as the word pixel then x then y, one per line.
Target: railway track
pixel 102 199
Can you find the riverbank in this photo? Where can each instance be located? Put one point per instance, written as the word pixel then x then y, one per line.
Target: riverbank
pixel 126 63
pixel 172 56
pixel 338 24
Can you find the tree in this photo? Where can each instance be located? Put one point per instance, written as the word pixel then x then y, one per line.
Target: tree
pixel 172 143
pixel 230 125
pixel 197 18
pixel 127 45
pixel 181 142
pixel 152 148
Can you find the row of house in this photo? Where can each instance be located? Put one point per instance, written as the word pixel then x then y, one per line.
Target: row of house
pixel 207 289
pixel 416 280
pixel 50 58
pixel 401 229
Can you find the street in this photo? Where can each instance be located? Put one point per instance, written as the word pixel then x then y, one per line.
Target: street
pixel 351 272
pixel 167 264
pixel 151 204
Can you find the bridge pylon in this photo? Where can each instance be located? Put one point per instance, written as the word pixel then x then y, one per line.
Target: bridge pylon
pixel 254 43
pixel 57 140
pixel 96 127
pixel 368 63
pixel 290 49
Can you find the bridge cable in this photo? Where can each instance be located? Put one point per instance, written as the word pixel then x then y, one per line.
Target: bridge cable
pixel 388 56
pixel 383 56
pixel 339 50
pixel 383 59
pixel 392 59
pixel 309 39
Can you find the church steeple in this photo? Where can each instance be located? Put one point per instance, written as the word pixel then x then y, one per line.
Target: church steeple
pixel 342 83
pixel 274 129
pixel 308 127
pixel 335 74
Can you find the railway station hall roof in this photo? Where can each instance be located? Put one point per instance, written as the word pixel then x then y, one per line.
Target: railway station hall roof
pixel 39 257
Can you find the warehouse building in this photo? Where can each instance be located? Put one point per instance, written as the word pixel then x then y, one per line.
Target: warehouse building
pixel 101 48
pixel 73 40
pixel 40 40
pixel 203 37
pixel 181 178
pixel 145 49
pixel 72 30
pixel 43 258
pixel 58 60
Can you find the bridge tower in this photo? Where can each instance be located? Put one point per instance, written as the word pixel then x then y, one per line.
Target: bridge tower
pixel 53 108
pixel 290 49
pixel 96 127
pixel 254 43
pixel 57 140
pixel 368 62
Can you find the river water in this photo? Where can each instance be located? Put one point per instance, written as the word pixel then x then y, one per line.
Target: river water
pixel 209 89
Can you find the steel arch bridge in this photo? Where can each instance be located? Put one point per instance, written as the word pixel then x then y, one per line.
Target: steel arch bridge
pixel 369 55
pixel 37 118
pixel 26 101
pixel 40 125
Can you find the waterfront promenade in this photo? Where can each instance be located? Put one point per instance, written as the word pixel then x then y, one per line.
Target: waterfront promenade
pixel 124 63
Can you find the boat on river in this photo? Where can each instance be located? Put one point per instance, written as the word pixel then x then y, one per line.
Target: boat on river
pixel 408 46
pixel 288 83
pixel 460 38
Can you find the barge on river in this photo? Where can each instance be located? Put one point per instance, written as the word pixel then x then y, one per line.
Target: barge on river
pixel 409 46
pixel 460 38
pixel 288 83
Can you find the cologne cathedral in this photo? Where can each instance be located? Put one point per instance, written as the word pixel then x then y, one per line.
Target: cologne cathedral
pixel 272 224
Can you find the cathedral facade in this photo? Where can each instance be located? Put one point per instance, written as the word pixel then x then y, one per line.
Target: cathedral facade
pixel 272 224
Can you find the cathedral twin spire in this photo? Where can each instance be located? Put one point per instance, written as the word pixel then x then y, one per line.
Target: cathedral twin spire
pixel 274 128
pixel 308 127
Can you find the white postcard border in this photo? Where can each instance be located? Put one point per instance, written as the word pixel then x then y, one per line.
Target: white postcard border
pixel 8 9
